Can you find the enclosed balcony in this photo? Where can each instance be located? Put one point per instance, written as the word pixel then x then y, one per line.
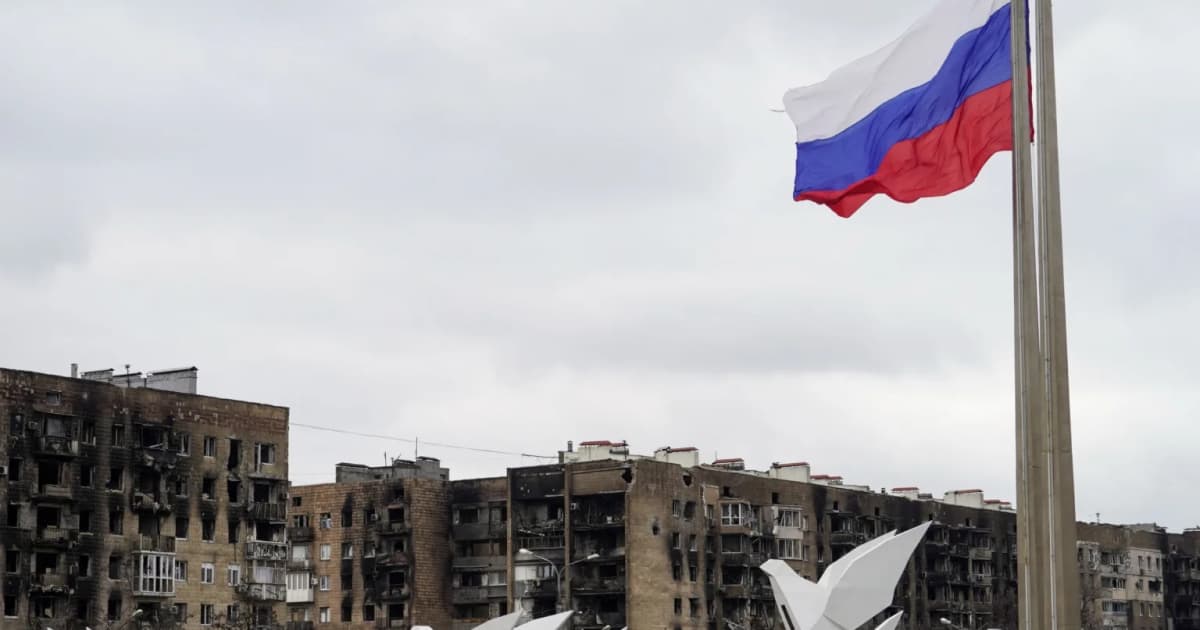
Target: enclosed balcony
pixel 154 571
pixel 266 550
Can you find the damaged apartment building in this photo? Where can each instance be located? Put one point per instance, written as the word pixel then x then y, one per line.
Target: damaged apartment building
pixel 127 493
pixel 666 541
pixel 371 550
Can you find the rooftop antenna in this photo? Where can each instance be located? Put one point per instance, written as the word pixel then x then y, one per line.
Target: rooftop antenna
pixel 126 375
pixel 416 447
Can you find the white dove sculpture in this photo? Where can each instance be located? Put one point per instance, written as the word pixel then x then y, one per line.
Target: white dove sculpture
pixel 553 622
pixel 507 622
pixel 851 591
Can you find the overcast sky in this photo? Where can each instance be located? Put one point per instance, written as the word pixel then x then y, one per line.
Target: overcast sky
pixel 512 224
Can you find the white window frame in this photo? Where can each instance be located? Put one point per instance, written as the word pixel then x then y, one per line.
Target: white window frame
pixel 234 574
pixel 323 582
pixel 206 614
pixel 326 551
pixel 207 572
pixel 324 615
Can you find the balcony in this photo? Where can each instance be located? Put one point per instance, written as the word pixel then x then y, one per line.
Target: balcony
pixel 154 572
pixel 143 502
pixel 743 558
pixel 54 583
pixel 598 521
pixel 157 456
pixel 266 550
pixel 546 587
pixel 49 492
pixel 56 445
pixel 479 531
pixel 300 595
pixel 300 564
pixel 960 550
pixel 981 579
pixel 478 594
pixel 598 620
pixel 981 553
pixel 392 593
pixel 393 559
pixel 394 528
pixel 597 586
pixel 275 512
pixel 843 538
pixel 300 534
pixel 263 592
pixel 157 544
pixel 55 536
pixel 479 562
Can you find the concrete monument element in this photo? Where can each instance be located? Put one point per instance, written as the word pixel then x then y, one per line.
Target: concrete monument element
pixel 851 591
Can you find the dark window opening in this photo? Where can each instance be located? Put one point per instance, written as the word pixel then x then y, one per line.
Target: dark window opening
pixel 466 516
pixel 181 486
pixel 87 432
pixel 45 563
pixel 235 454
pixel 114 573
pixel 10 605
pixel 118 435
pixel 396 515
pixel 116 478
pixel 347 518
pixel 49 473
pixel 234 527
pixel 689 509
pixel 12 562
pixel 346 612
pixel 85 521
pixel 85 566
pixel 262 493
pixel 87 475
pixel 369 612
pixel 774 498
pixel 208 488
pixel 235 490
pixel 116 522
pixel 181 527
pixel 396 579
pixel 152 437
pixel 14 469
pixel 114 609
pixel 297 501
pixel 208 529
pixel 48 517
pixel 149 524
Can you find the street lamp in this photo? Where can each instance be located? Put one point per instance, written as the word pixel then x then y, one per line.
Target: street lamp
pixel 558 602
pixel 949 624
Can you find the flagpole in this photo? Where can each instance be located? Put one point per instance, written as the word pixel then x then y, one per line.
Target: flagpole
pixel 1064 576
pixel 1028 364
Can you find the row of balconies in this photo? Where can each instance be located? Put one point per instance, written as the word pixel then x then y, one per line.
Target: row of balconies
pixel 478 594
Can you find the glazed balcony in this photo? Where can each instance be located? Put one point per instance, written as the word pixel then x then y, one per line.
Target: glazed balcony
pixel 266 550
pixel 56 446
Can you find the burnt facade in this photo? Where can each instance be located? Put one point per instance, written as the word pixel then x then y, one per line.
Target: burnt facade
pixel 370 551
pixel 119 499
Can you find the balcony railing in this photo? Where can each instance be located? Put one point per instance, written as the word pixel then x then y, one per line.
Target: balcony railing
pixel 158 544
pixel 581 586
pixel 300 534
pixel 981 553
pixel 394 527
pixel 55 535
pixel 50 491
pixel 143 502
pixel 478 594
pixel 56 445
pixel 266 575
pixel 479 531
pixel 266 550
pixel 267 512
pixel 479 562
pixel 394 592
pixel 263 592
pixel 395 558
pixel 300 595
pixel 48 582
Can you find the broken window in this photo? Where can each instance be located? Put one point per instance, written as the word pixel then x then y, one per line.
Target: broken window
pixel 116 522
pixel 149 524
pixel 210 446
pixel 118 435
pixel 208 529
pixel 235 454
pixel 87 475
pixel 689 510
pixel 116 478
pixel 347 551
pixel 185 443
pixel 181 527
pixel 49 473
pixel 396 515
pixel 396 579
pixel 235 490
pixel 152 437
pixel 347 518
pixel 48 517
pixel 85 565
pixel 181 486
pixel 234 527
pixel 87 433
pixel 114 573
pixel 14 469
pixel 262 493
pixel 208 487
pixel 466 516
pixel 12 561
pixel 265 454
pixel 676 508
pixel 368 612
pixel 85 521
pixel 299 520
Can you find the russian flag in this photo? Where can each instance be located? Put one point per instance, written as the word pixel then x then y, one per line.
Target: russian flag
pixel 918 118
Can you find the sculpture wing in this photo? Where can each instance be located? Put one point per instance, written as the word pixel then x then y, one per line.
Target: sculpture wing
pixel 507 622
pixel 553 622
pixel 868 581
